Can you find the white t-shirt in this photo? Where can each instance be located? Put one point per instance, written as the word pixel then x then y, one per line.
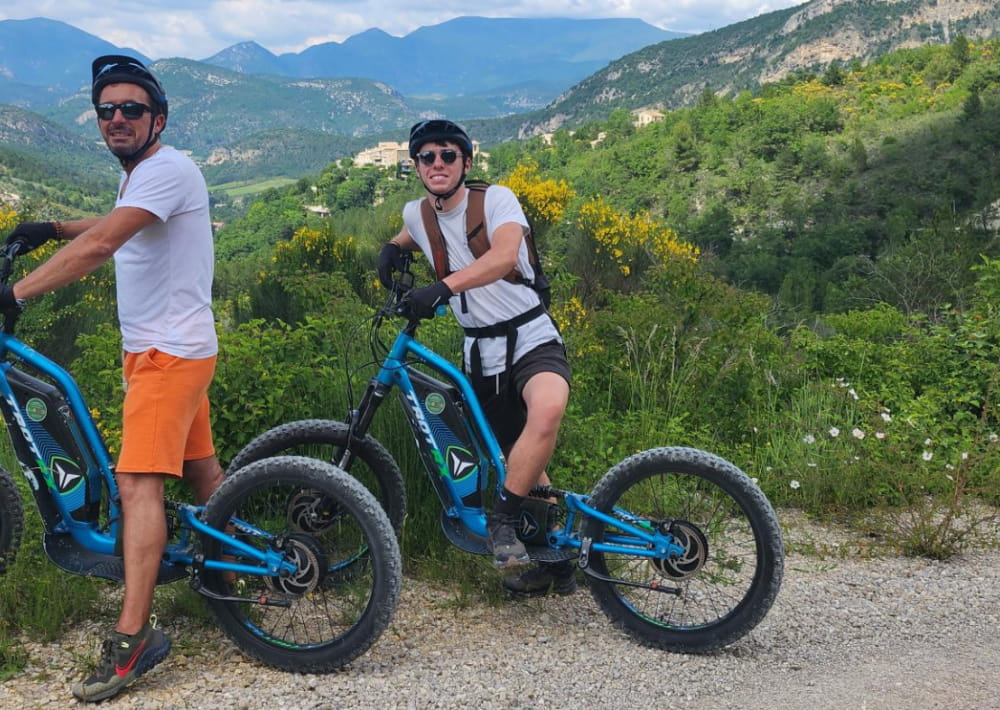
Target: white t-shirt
pixel 495 302
pixel 164 272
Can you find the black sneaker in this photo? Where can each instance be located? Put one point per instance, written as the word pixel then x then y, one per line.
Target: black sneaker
pixel 123 659
pixel 558 577
pixel 508 550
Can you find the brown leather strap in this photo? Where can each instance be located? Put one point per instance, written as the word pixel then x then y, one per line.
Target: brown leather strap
pixel 475 232
pixel 438 249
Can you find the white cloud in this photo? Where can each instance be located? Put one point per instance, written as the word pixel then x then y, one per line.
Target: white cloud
pixel 199 28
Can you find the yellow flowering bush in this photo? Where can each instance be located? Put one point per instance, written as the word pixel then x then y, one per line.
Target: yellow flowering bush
pixel 313 250
pixel 630 243
pixel 543 201
pixel 306 273
pixel 8 219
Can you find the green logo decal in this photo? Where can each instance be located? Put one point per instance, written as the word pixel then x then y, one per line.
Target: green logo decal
pixel 36 409
pixel 434 403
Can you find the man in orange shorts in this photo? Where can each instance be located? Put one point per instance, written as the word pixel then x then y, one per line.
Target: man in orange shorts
pixel 160 236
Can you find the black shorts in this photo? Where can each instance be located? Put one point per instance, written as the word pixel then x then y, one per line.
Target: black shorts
pixel 500 395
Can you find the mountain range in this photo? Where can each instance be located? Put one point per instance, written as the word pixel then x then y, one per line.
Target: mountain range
pixel 487 55
pixel 247 113
pixel 745 55
pixel 535 59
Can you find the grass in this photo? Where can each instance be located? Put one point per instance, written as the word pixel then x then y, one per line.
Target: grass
pixel 242 188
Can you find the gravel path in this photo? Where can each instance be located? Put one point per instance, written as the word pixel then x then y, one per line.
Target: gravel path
pixel 889 633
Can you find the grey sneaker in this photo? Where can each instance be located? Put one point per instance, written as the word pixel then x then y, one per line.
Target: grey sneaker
pixel 558 577
pixel 508 550
pixel 123 659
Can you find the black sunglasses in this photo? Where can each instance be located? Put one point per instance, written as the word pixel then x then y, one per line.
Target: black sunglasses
pixel 132 110
pixel 448 156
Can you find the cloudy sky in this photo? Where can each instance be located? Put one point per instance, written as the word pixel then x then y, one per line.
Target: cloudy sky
pixel 199 28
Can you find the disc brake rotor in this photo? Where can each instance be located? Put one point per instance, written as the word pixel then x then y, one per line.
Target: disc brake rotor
pixel 310 562
pixel 312 512
pixel 692 559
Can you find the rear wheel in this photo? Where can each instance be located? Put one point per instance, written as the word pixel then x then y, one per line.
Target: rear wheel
pixel 726 570
pixel 11 519
pixel 326 439
pixel 347 570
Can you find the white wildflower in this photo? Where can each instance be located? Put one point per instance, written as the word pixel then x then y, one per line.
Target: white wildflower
pixel 794 484
pixel 857 433
pixel 809 439
pixel 927 456
pixel 834 432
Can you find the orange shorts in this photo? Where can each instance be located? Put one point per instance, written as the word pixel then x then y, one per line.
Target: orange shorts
pixel 166 415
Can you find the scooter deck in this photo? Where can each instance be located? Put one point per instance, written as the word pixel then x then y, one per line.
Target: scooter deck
pixel 460 536
pixel 67 554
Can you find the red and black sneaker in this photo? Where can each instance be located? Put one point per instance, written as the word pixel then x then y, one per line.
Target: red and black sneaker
pixel 124 658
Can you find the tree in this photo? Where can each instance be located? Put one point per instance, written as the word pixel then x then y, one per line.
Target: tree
pixel 685 147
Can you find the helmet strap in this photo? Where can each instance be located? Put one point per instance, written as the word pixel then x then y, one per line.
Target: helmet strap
pixel 441 197
pixel 133 157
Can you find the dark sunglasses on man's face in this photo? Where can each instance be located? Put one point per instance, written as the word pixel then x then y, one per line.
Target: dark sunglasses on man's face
pixel 448 156
pixel 132 110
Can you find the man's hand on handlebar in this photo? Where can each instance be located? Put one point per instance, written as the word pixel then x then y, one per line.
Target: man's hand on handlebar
pixel 424 301
pixel 31 235
pixel 8 304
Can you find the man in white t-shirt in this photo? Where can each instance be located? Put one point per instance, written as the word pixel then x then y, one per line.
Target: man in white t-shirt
pixel 513 351
pixel 160 237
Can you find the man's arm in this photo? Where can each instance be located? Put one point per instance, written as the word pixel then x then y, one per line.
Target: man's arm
pixel 492 266
pixel 73 229
pixel 92 243
pixel 404 241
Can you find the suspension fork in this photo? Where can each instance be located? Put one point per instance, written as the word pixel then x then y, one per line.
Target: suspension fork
pixel 358 421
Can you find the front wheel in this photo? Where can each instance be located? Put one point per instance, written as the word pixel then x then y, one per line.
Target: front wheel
pixel 11 519
pixel 726 569
pixel 326 439
pixel 347 569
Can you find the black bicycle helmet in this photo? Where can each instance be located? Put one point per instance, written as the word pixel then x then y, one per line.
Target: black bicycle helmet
pixel 120 69
pixel 439 129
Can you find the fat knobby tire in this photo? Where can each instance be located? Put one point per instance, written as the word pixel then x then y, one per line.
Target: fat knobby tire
pixel 702 472
pixel 379 562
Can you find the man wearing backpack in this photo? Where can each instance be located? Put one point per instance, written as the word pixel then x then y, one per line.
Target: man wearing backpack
pixel 513 352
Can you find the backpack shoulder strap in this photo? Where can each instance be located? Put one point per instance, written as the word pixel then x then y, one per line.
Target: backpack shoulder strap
pixel 475 225
pixel 475 218
pixel 438 249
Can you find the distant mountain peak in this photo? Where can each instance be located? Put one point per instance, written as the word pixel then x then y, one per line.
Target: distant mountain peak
pixel 247 58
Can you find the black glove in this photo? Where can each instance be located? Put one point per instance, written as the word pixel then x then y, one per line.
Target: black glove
pixel 424 301
pixel 390 260
pixel 31 235
pixel 7 301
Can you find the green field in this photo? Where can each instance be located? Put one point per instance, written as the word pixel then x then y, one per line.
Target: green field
pixel 241 188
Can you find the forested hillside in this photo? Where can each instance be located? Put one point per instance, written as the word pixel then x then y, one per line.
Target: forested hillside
pixel 829 191
pixel 767 48
pixel 803 279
